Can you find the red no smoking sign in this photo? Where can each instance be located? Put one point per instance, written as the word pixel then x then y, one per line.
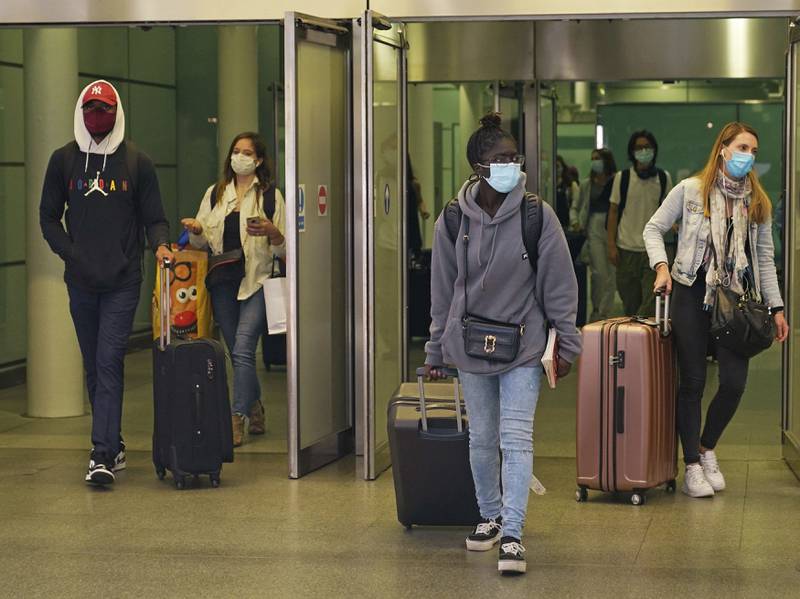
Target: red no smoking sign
pixel 322 200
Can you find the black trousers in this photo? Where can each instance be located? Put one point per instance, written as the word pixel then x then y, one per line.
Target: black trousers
pixel 691 331
pixel 103 323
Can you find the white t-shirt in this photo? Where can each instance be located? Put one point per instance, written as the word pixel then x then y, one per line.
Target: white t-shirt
pixel 642 203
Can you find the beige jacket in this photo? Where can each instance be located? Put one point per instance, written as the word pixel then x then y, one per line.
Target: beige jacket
pixel 258 252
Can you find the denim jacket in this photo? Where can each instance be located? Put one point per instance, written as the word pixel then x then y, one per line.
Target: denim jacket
pixel 685 203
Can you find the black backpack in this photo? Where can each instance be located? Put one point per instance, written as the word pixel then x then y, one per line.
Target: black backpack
pixel 268 199
pixel 530 211
pixel 625 182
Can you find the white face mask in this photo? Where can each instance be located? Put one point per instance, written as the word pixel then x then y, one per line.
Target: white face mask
pixel 242 164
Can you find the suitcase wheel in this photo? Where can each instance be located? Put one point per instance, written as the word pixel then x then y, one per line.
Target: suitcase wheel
pixel 214 480
pixel 161 472
pixel 638 499
pixel 180 483
pixel 581 495
pixel 671 486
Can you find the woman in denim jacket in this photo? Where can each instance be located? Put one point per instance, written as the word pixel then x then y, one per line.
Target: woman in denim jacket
pixel 724 207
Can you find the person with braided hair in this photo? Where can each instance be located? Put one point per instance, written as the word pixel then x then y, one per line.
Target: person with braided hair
pixel 489 269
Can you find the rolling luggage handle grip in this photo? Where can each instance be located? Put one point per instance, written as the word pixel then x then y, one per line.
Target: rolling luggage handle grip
pixel 450 373
pixel 662 313
pixel 164 333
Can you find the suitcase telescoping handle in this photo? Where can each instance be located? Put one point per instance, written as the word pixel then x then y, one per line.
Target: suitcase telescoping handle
pixel 449 373
pixel 164 305
pixel 662 313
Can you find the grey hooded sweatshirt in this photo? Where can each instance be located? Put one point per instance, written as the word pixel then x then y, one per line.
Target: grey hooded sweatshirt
pixel 501 284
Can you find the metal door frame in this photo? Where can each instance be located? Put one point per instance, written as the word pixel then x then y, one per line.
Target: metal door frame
pixel 375 460
pixel 791 445
pixel 302 461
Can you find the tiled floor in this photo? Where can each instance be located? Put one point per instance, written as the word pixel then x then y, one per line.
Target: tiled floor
pixel 333 535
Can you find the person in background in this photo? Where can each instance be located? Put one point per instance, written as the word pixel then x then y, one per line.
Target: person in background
pixel 635 196
pixel 589 217
pixel 415 207
pixel 107 192
pixel 567 198
pixel 238 218
pixel 567 191
pixel 723 207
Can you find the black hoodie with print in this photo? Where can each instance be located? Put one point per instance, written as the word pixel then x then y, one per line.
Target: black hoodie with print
pixel 105 212
pixel 102 244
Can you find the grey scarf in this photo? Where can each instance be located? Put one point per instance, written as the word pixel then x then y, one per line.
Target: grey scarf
pixel 727 268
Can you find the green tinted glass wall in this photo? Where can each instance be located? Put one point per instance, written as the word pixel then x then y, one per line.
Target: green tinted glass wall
pixel 12 200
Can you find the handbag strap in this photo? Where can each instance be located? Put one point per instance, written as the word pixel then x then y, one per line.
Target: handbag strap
pixel 466 264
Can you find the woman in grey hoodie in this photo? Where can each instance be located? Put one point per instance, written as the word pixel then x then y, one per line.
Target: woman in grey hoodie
pixel 505 286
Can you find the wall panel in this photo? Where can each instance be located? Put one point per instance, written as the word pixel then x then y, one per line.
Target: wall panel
pixel 470 51
pixel 661 49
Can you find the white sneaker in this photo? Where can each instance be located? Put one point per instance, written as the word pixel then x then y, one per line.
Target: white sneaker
pixel 708 461
pixel 695 483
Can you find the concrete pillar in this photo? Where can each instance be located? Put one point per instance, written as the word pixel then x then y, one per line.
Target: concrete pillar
pixel 583 93
pixel 54 366
pixel 237 84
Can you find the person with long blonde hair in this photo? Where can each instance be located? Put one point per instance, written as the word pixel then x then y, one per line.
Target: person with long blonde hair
pixel 725 235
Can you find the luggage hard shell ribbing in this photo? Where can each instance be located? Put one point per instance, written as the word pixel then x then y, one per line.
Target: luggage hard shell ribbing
pixel 430 456
pixel 192 433
pixel 627 389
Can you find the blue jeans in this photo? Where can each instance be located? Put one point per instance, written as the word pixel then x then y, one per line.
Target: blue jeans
pixel 501 410
pixel 103 323
pixel 242 323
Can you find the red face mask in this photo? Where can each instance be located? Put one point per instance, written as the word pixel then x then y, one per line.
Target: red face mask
pixel 99 122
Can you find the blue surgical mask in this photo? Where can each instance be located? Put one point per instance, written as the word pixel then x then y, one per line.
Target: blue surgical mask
pixel 598 166
pixel 644 156
pixel 740 164
pixel 504 177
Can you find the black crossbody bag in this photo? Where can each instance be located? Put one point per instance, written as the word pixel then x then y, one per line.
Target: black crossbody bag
pixel 740 323
pixel 487 339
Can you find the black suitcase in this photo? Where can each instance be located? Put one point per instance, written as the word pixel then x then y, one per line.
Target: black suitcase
pixel 430 458
pixel 192 432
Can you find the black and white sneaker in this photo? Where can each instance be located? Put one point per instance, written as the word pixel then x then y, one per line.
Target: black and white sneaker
pixel 120 463
pixel 512 556
pixel 99 473
pixel 486 535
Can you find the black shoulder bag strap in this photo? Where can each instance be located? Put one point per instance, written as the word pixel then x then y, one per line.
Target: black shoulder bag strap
pixel 531 213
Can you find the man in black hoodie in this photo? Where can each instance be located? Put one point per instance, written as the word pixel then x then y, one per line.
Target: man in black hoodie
pixel 108 194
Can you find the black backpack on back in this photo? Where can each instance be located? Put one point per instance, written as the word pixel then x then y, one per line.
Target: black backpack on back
pixel 530 211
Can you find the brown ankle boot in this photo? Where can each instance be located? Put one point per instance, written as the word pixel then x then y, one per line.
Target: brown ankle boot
pixel 257 424
pixel 238 429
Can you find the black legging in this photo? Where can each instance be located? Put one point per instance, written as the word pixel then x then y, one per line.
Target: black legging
pixel 690 327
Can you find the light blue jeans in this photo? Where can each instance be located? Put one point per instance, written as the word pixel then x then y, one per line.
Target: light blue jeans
pixel 242 323
pixel 501 410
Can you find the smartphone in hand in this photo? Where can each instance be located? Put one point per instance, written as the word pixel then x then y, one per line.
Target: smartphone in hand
pixel 253 221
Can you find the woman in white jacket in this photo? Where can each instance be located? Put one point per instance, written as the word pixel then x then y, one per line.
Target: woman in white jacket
pixel 234 214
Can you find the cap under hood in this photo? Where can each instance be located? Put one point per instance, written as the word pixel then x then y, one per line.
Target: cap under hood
pixel 111 142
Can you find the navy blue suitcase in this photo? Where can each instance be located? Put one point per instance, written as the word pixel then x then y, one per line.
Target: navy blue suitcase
pixel 192 432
